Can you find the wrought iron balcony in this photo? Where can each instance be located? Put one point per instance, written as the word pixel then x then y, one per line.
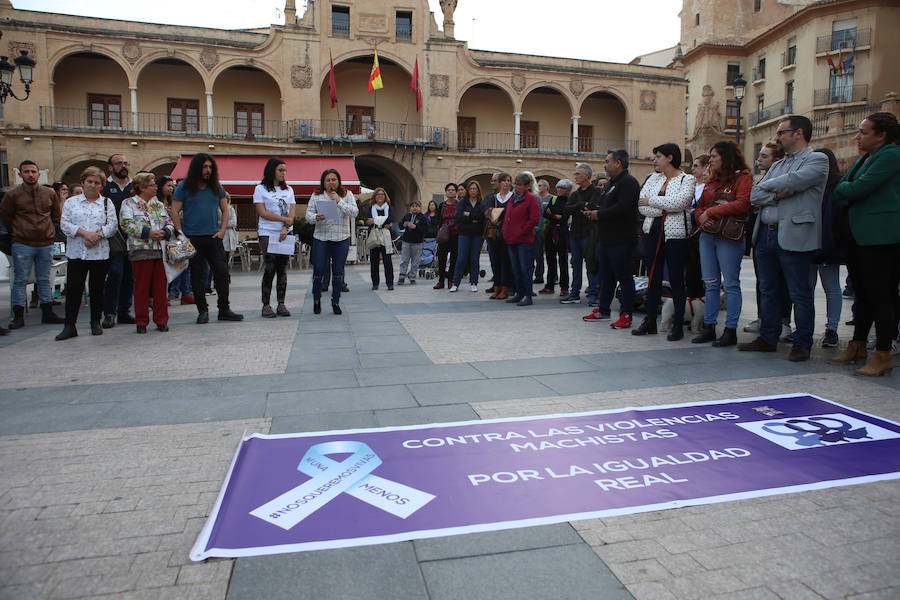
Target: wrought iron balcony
pixel 845 39
pixel 841 94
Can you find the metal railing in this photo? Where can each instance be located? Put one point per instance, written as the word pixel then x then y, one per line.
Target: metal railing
pixel 326 130
pixel 852 117
pixel 845 39
pixel 489 141
pixel 82 119
pixel 841 94
pixel 769 112
pixel 759 73
pixel 789 58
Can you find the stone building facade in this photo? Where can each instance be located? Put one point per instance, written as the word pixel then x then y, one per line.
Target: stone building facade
pixel 159 91
pixel 783 50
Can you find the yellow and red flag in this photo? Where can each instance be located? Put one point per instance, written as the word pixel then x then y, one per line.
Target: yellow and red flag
pixel 375 82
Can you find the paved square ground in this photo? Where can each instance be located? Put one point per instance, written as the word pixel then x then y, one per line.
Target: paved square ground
pixel 113 449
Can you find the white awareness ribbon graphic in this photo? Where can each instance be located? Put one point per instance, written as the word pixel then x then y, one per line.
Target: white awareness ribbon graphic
pixel 330 478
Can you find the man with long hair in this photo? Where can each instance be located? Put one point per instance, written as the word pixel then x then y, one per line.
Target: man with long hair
pixel 198 196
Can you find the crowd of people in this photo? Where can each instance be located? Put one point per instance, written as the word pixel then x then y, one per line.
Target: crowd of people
pixel 800 221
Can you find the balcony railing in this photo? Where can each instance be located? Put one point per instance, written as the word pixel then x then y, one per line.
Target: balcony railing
pixel 81 119
pixel 769 112
pixel 851 118
pixel 758 73
pixel 329 131
pixel 841 95
pixel 789 58
pixel 846 39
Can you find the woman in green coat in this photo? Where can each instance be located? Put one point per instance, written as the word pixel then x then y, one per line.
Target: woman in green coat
pixel 871 192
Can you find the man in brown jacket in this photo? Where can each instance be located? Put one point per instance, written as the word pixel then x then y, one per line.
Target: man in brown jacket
pixel 29 211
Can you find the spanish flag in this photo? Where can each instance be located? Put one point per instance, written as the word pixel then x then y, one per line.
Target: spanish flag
pixel 375 82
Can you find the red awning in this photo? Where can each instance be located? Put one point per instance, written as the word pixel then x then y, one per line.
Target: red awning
pixel 240 173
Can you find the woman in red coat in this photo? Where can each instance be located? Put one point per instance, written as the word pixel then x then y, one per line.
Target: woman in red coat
pixel 523 213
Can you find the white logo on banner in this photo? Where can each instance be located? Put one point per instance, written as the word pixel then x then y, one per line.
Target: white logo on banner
pixel 331 478
pixel 818 431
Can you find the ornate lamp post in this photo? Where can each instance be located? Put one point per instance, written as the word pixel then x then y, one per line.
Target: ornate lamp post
pixel 740 87
pixel 26 74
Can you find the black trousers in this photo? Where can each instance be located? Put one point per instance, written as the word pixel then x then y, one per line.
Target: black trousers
pixel 76 272
pixel 211 250
pixel 693 277
pixel 450 247
pixel 657 256
pixel 557 254
pixel 376 255
pixel 875 271
pixel 274 265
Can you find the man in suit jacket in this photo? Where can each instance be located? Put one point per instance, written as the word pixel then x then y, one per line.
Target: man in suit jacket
pixel 787 233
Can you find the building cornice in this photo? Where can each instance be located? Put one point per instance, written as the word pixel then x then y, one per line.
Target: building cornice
pixel 529 62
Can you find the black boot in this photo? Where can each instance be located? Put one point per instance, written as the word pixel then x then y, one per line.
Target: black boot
pixel 707 334
pixel 677 331
pixel 648 325
pixel 67 332
pixel 728 338
pixel 48 316
pixel 4 331
pixel 18 320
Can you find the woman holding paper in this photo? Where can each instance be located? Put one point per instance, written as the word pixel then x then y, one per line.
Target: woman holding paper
pixel 275 205
pixel 331 208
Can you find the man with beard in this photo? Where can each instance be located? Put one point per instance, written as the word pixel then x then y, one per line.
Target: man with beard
pixel 199 195
pixel 29 211
pixel 119 287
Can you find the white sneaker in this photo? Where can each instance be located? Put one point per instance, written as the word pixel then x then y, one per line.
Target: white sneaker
pixel 453 288
pixel 895 347
pixel 786 333
pixel 473 287
pixel 752 327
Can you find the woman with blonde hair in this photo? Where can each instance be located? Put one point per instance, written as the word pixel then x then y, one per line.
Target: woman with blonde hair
pixel 146 222
pixel 88 219
pixel 381 215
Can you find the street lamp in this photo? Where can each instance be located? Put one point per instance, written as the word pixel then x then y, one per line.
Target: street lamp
pixel 26 74
pixel 740 86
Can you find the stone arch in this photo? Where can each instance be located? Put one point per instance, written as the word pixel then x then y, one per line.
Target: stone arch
pixel 618 94
pixel 546 84
pixel 376 170
pixel 148 60
pixel 72 172
pixel 63 53
pixel 240 62
pixel 394 58
pixel 156 166
pixel 488 80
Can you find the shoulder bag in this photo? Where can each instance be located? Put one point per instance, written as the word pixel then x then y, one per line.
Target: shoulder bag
pixel 729 227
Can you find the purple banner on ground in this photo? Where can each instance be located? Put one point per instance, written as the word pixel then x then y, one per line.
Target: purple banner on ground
pixel 312 491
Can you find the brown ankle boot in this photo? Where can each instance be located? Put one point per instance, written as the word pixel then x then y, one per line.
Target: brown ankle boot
pixel 504 293
pixel 880 364
pixel 496 293
pixel 855 351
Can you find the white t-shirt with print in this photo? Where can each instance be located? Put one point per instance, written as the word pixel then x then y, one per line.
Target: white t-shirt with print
pixel 277 202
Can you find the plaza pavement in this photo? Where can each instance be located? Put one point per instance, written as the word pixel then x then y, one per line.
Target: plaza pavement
pixel 113 449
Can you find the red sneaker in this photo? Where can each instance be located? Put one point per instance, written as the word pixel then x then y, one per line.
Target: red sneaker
pixel 546 290
pixel 624 322
pixel 187 299
pixel 595 315
pixel 563 292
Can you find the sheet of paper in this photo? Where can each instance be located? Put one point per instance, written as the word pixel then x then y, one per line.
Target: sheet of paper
pixel 287 247
pixel 329 208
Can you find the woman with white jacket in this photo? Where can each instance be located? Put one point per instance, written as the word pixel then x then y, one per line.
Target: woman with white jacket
pixel 665 204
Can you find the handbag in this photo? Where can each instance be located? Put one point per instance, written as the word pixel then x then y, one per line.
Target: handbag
pixel 492 231
pixel 729 227
pixel 374 239
pixel 443 234
pixel 179 248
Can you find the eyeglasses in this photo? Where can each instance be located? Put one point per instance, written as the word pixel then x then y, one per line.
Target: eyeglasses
pixel 781 132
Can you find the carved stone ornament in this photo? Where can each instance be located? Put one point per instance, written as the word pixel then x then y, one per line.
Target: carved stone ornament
pixel 209 58
pixel 374 40
pixel 301 76
pixel 14 48
pixel 648 100
pixel 577 86
pixel 373 23
pixel 440 85
pixel 131 51
pixel 518 82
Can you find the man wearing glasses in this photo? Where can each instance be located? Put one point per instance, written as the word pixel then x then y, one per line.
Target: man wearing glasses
pixel 119 287
pixel 787 233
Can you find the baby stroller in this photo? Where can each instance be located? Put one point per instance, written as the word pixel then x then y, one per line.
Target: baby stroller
pixel 428 263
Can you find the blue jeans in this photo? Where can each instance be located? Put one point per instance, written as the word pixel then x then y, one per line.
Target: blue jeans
pixel 774 263
pixel 119 287
pixel 24 257
pixel 577 248
pixel 323 252
pixel 521 256
pixel 615 266
pixel 831 283
pixel 720 259
pixel 181 285
pixel 468 255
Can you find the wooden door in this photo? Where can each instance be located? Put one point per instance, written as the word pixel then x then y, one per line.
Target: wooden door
pixel 360 119
pixel 585 138
pixel 529 134
pixel 465 132
pixel 105 110
pixel 248 118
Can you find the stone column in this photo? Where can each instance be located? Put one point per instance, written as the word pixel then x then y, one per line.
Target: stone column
pixel 210 121
pixel 575 119
pixel 517 131
pixel 835 121
pixel 290 13
pixel 891 104
pixel 134 108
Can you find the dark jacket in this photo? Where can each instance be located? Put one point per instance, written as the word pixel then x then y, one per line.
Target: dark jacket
pixel 578 201
pixel 557 230
pixel 29 215
pixel 434 223
pixel 417 235
pixel 871 189
pixel 473 224
pixel 617 209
